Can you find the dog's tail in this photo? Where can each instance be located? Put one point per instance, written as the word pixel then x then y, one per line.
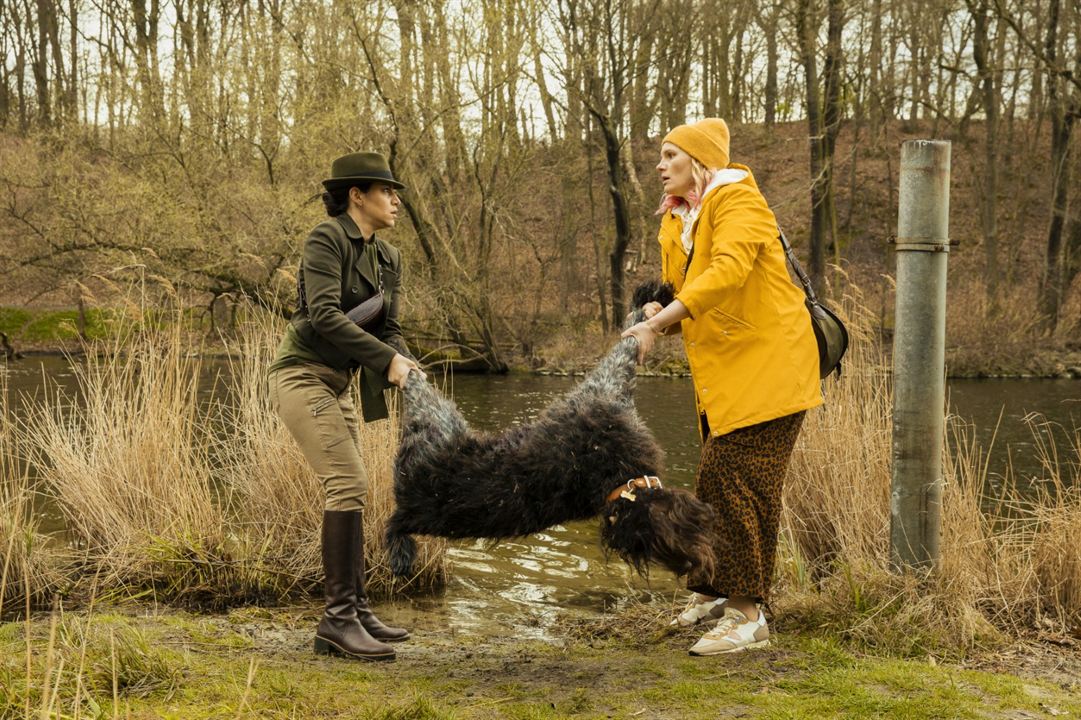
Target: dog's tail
pixel 401 551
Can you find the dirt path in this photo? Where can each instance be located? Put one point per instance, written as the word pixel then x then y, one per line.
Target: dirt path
pixel 258 663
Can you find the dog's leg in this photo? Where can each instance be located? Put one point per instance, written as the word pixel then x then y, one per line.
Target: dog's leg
pixel 401 549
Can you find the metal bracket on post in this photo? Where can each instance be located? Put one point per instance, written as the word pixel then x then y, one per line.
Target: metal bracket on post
pixel 919 394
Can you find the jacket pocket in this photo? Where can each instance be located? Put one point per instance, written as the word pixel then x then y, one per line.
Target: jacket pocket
pixel 321 405
pixel 730 321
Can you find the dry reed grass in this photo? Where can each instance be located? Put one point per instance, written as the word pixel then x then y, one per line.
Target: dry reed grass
pixel 1055 509
pixel 1009 563
pixel 206 505
pixel 277 498
pixel 991 338
pixel 630 622
pixel 129 465
pixel 29 568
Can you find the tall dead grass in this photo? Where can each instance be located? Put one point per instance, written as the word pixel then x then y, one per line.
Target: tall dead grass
pixel 128 464
pixel 278 500
pixel 207 505
pixel 29 569
pixel 988 338
pixel 1009 563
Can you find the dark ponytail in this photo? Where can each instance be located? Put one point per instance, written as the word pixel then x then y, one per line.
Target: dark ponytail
pixel 336 199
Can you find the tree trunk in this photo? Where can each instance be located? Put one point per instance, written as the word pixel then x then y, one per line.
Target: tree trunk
pixel 1052 286
pixel 5 76
pixel 547 101
pixel 1061 128
pixel 72 97
pixel 806 31
pixel 641 86
pixel 769 25
pixel 51 23
pixel 617 188
pixel 39 63
pixel 833 114
pixel 146 39
pixel 20 64
pixel 981 45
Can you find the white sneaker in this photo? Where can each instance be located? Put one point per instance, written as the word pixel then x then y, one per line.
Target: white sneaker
pixel 733 633
pixel 699 609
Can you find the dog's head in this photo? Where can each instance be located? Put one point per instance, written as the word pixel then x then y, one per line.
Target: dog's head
pixel 667 526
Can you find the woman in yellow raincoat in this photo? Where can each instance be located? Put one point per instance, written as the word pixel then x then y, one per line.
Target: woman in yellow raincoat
pixel 754 363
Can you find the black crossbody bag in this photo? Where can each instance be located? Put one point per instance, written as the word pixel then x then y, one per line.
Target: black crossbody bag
pixel 830 332
pixel 368 315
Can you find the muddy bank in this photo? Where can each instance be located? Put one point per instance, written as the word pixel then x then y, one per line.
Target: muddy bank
pixel 257 662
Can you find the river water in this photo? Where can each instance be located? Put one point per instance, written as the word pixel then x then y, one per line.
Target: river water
pixel 526 582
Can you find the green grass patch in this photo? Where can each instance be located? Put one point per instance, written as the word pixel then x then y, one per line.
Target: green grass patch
pixel 182 665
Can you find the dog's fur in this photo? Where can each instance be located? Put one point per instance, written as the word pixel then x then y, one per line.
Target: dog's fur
pixel 454 482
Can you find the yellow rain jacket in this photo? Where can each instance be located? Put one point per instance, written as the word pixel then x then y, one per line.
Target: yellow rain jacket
pixel 749 341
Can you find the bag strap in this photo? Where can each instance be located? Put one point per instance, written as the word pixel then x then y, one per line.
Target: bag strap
pixel 800 273
pixel 789 253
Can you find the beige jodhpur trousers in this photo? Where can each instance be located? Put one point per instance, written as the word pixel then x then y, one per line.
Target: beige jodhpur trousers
pixel 314 402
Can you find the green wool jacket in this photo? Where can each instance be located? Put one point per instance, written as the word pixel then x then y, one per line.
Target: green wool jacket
pixel 336 274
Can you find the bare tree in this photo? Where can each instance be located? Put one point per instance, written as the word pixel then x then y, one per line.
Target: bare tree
pixel 824 123
pixel 1063 92
pixel 768 19
pixel 608 31
pixel 990 94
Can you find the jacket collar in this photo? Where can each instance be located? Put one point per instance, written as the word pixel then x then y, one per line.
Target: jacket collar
pixel 361 264
pixel 672 223
pixel 350 227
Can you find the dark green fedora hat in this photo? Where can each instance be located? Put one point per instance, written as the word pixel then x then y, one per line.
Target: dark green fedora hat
pixel 360 167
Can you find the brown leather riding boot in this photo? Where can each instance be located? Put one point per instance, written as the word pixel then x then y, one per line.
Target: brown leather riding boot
pixel 375 627
pixel 340 631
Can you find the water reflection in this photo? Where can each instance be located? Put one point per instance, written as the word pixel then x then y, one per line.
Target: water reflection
pixel 996 412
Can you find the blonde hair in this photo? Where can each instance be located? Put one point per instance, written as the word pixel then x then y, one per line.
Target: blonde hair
pixel 701 176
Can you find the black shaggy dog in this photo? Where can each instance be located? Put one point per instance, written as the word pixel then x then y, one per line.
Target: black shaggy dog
pixel 568 464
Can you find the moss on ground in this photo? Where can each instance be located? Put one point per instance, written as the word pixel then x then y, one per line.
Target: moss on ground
pixel 258 663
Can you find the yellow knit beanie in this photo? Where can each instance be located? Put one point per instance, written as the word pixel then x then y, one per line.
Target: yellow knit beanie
pixel 706 141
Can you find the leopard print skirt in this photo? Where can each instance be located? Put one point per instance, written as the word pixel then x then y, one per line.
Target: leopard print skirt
pixel 741 475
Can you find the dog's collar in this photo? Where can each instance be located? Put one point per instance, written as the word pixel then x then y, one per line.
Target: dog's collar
pixel 626 491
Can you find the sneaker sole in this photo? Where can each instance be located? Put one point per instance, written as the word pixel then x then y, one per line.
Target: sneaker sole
pixel 729 651
pixel 678 621
pixel 322 646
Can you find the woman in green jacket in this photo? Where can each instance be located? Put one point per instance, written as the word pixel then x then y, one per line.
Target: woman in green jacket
pixel 343 264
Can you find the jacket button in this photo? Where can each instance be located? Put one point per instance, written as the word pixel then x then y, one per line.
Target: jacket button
pixel 692 344
pixel 354 289
pixel 705 390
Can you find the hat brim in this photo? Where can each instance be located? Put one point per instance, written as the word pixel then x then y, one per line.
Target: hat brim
pixel 332 183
